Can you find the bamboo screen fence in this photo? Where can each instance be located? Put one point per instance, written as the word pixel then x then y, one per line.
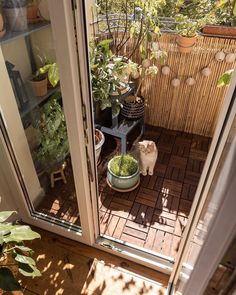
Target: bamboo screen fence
pixel 193 109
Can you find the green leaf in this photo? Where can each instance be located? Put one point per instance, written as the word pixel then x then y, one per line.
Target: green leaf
pixel 44 69
pixel 7 280
pixel 53 74
pixel 23 248
pixel 29 270
pixel 105 42
pixel 21 233
pixel 4 215
pixel 24 259
pixel 225 79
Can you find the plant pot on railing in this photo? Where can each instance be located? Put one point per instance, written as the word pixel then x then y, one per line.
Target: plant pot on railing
pixel 185 44
pixel 220 30
pixel 132 108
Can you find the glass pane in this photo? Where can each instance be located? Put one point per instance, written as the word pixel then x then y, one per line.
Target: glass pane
pixel 29 55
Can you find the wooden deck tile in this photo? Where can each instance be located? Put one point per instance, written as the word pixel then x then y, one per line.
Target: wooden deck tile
pixel 135 233
pixel 137 226
pixel 157 245
pixel 132 240
pixel 167 244
pixel 150 239
pixel 171 187
pixel 184 207
pixel 119 228
pixel 111 225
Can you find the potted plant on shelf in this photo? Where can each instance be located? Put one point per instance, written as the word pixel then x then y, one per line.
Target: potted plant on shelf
pixel 39 84
pixel 15 13
pixel 187 30
pixel 53 141
pixel 33 11
pixel 52 71
pixel 2 27
pixel 14 255
pixel 123 173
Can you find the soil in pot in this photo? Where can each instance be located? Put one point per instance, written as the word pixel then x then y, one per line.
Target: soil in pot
pixel 185 44
pixel 133 109
pixel 39 86
pixel 16 18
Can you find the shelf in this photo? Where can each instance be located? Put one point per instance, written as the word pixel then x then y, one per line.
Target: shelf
pixel 10 36
pixel 33 103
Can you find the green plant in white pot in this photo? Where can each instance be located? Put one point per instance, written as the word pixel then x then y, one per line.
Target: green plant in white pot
pixel 16 14
pixel 14 255
pixel 123 173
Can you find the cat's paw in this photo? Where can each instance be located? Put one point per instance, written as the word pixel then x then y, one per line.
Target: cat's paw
pixel 150 173
pixel 144 173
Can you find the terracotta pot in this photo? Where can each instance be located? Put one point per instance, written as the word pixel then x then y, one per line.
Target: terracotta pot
pixel 32 14
pixel 185 44
pixel 16 18
pixel 40 87
pixel 219 30
pixel 2 29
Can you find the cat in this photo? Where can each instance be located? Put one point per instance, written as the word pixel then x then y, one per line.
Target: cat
pixel 147 156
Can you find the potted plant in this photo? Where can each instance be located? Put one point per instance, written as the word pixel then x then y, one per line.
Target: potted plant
pixel 52 71
pixel 123 173
pixel 2 27
pixel 39 84
pixel 53 141
pixel 14 255
pixel 224 20
pixel 33 11
pixel 187 30
pixel 99 141
pixel 104 69
pixel 16 14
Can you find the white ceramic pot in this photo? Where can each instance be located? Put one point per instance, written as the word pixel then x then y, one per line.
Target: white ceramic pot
pixel 98 146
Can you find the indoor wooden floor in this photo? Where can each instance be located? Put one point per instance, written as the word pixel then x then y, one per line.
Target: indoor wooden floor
pixel 155 214
pixel 72 268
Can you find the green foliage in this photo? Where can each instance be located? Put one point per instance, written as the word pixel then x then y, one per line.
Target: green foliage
pixel 12 237
pixel 105 68
pixel 187 27
pixel 14 3
pixel 225 79
pixel 124 165
pixel 53 73
pixel 54 145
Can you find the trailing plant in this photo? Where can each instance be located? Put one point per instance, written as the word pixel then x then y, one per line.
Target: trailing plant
pixel 53 73
pixel 124 165
pixel 53 138
pixel 13 252
pixel 105 68
pixel 225 79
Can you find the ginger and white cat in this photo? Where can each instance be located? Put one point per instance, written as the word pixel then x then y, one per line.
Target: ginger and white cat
pixel 147 155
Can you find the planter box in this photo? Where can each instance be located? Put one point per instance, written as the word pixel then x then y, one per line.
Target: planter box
pixel 220 30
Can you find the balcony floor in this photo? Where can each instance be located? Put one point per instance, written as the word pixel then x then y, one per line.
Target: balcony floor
pixel 155 214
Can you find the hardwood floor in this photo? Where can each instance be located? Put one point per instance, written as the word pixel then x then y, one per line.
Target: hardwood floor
pixel 72 268
pixel 155 214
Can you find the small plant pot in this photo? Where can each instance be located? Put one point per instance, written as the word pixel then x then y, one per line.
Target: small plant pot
pixel 220 30
pixel 133 110
pixel 16 18
pixel 122 183
pixel 32 14
pixel 185 44
pixel 40 87
pixel 99 141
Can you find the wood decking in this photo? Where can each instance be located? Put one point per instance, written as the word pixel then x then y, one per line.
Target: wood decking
pixel 155 214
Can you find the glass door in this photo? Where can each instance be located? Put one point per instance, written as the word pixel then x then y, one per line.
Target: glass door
pixel 41 115
pixel 198 252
